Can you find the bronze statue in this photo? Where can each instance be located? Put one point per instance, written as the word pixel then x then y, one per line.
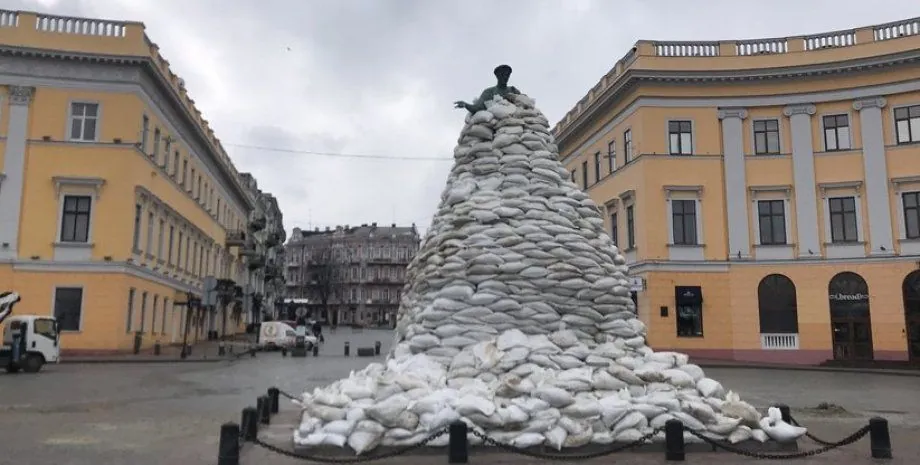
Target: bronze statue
pixel 502 73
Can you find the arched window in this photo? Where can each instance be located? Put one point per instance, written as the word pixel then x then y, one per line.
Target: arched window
pixel 777 305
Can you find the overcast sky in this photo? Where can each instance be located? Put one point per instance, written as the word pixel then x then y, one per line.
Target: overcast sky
pixel 378 77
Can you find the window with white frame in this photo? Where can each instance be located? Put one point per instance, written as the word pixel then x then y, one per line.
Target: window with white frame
pixel 614 227
pixel 911 201
pixel 160 233
pixel 684 222
pixel 84 121
pixel 153 315
pixel 129 318
pixel 630 227
pixel 143 312
pixel 843 218
pixel 836 132
pixel 680 137
pixel 68 307
pixel 155 154
pixel 597 166
pixel 145 132
pixel 136 240
pixel 164 315
pixel 771 220
pixel 612 156
pixel 907 124
pixel 150 222
pixel 584 174
pixel 627 146
pixel 75 218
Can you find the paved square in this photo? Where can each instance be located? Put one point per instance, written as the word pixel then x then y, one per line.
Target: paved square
pixel 142 414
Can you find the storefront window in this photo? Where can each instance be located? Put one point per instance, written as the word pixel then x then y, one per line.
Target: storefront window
pixel 689 301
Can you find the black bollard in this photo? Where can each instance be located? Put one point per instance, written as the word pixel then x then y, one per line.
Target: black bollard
pixel 784 412
pixel 273 394
pixel 157 348
pixel 376 347
pixel 879 438
pixel 265 411
pixel 284 351
pixel 316 350
pixel 252 352
pixel 347 348
pixel 221 350
pixel 246 417
pixel 674 441
pixel 228 450
pixel 251 429
pixel 458 450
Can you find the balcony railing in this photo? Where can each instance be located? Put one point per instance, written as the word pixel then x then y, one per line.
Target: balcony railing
pixel 236 238
pixel 718 51
pixel 779 341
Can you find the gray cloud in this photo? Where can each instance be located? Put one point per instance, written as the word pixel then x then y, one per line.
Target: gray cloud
pixel 378 77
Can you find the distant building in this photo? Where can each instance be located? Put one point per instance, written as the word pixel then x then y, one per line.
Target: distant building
pixel 360 270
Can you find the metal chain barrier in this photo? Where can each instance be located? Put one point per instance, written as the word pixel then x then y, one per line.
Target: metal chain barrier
pixel 289 396
pixel 551 456
pixel 862 432
pixel 809 435
pixel 358 459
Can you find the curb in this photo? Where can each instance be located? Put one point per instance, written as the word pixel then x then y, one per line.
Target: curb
pixel 867 371
pixel 99 361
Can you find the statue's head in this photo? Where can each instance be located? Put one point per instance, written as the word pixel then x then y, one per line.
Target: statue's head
pixel 503 72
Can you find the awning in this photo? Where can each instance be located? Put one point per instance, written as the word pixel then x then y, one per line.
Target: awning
pixel 688 295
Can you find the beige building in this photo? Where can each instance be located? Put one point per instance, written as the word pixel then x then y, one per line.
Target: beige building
pixel 355 273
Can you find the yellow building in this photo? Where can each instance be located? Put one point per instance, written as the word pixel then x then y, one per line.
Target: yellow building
pixel 766 193
pixel 116 197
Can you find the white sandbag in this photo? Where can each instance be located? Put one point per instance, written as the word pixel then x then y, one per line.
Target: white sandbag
pixel 556 437
pixel 525 440
pixel 363 441
pixel 741 434
pixel 554 396
pixel 470 404
pixel 387 412
pixel 710 388
pixel 339 427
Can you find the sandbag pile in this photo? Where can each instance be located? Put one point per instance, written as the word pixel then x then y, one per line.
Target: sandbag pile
pixel 517 319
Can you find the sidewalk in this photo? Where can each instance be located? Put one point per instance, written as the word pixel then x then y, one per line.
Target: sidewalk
pixel 203 352
pixel 708 363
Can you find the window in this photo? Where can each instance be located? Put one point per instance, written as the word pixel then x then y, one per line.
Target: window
pixel 627 146
pixel 137 226
pixel 143 312
pixel 169 252
pixel 167 147
pixel 83 121
pixel 766 137
pixel 630 228
pixel 843 219
pixel 836 132
pixel 75 218
pixel 145 130
pixel 911 202
pixel 584 174
pixel 150 221
pixel 683 221
pixel 188 250
pixel 129 320
pixel 771 216
pixel 573 176
pixel 160 230
pixel 777 305
pixel 689 300
pixel 597 167
pixel 184 172
pixel 907 124
pixel 68 307
pixel 176 164
pixel 155 154
pixel 163 316
pixel 614 228
pixel 680 139
pixel 612 156
pixel 179 251
pixel 153 316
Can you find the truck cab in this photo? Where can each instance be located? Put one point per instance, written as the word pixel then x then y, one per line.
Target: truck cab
pixel 29 341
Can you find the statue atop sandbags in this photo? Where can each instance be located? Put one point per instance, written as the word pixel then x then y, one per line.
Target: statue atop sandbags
pixel 502 73
pixel 517 318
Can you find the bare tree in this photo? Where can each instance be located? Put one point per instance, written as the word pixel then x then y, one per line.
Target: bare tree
pixel 324 274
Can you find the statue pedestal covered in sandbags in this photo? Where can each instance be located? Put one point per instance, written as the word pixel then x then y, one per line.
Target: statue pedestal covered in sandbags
pixel 517 319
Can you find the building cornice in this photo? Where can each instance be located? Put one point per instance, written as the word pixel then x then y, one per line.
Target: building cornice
pixel 633 77
pixel 147 64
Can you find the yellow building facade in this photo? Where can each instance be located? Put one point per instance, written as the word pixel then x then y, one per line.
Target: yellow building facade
pixel 766 193
pixel 116 198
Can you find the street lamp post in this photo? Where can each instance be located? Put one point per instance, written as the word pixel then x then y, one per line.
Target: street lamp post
pixel 191 302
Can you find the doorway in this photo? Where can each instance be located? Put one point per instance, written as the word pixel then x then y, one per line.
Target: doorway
pixel 911 291
pixel 851 323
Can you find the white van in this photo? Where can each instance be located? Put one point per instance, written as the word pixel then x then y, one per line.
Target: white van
pixel 274 335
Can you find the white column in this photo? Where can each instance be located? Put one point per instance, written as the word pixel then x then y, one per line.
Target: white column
pixel 14 164
pixel 803 167
pixel 735 182
pixel 876 169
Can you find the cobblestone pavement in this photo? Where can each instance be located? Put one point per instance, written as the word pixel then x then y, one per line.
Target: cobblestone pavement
pixel 143 414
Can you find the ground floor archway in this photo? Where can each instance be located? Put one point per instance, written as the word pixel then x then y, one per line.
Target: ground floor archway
pixel 851 322
pixel 911 292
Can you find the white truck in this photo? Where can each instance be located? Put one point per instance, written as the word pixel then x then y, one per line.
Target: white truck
pixel 29 341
